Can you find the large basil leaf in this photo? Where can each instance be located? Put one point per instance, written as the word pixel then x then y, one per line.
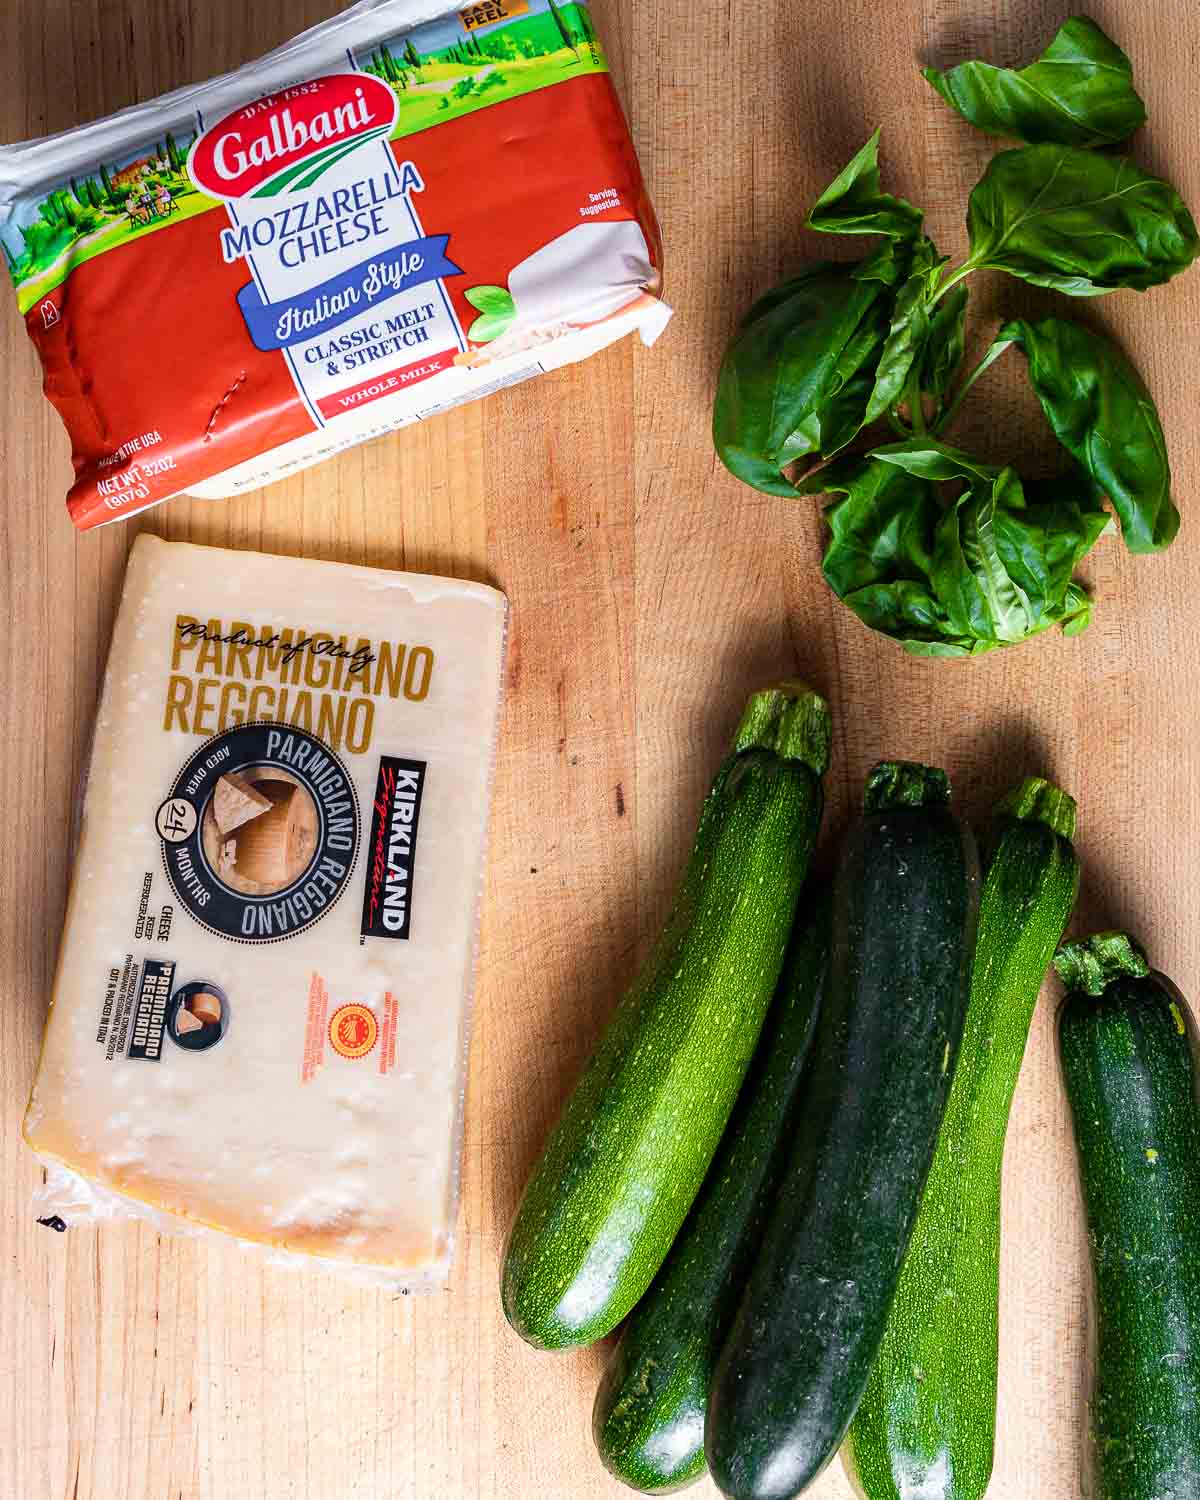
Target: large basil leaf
pixel 841 413
pixel 888 262
pixel 982 600
pixel 989 569
pixel 908 331
pixel 1079 92
pixel 788 364
pixel 1105 417
pixel 1020 542
pixel 1072 520
pixel 880 557
pixel 928 458
pixel 906 338
pixel 945 342
pixel 1005 566
pixel 1085 519
pixel 1080 222
pixel 817 273
pixel 854 203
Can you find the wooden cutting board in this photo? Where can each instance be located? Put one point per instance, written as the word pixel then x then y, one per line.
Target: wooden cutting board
pixel 650 593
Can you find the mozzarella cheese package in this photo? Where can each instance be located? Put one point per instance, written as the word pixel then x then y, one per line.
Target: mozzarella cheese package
pixel 408 207
pixel 260 1013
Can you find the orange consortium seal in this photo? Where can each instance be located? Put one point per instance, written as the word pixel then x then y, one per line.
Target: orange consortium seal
pixel 353 1031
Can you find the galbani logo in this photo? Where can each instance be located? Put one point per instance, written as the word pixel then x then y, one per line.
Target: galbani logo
pixel 287 141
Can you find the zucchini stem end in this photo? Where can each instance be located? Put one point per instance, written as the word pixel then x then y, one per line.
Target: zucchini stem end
pixel 790 720
pixel 1090 966
pixel 1037 800
pixel 894 784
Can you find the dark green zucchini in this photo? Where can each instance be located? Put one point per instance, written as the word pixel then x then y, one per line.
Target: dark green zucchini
pixel 926 1425
pixel 648 1419
pixel 1129 1059
pixel 627 1157
pixel 797 1358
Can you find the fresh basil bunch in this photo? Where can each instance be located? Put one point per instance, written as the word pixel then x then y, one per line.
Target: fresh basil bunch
pixel 949 556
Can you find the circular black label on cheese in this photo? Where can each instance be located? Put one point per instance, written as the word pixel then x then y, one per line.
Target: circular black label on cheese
pixel 198 1016
pixel 260 832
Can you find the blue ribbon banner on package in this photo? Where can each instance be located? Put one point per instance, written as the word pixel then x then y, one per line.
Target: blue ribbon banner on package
pixel 274 325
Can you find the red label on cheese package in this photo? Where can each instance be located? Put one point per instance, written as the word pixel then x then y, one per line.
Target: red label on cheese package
pixel 371 226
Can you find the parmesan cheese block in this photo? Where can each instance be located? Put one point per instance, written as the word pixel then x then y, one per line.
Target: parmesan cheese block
pixel 259 1014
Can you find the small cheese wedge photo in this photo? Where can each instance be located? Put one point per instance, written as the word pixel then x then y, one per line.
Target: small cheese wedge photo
pixel 236 801
pixel 207 1007
pixel 186 1022
pixel 275 848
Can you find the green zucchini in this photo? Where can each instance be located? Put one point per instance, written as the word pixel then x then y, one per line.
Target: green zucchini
pixel 648 1420
pixel 926 1425
pixel 1128 1049
pixel 796 1361
pixel 627 1157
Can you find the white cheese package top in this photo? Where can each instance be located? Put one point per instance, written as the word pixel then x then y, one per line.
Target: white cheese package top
pixel 260 1014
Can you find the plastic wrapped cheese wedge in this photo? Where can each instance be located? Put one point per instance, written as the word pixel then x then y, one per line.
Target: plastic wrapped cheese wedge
pixel 260 1011
pixel 414 204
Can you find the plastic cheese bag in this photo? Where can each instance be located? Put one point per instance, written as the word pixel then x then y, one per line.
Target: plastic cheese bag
pixel 407 207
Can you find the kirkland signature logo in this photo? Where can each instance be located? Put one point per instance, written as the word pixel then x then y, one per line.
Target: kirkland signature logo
pixel 288 141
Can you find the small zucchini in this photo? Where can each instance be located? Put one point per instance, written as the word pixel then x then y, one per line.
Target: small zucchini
pixel 625 1161
pixel 926 1425
pixel 1128 1049
pixel 797 1358
pixel 648 1420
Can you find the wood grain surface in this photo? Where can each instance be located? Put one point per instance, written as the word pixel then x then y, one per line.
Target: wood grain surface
pixel 650 593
